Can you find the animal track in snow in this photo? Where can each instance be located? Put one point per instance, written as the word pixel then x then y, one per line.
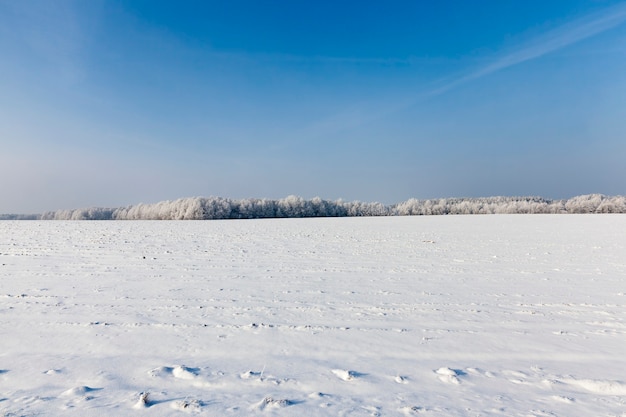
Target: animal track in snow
pixel 182 372
pixel 269 402
pixel 562 399
pixel 187 405
pixel 449 375
pixel 179 372
pixel 412 410
pixel 143 401
pixel 346 375
pixel 250 375
pixel 401 379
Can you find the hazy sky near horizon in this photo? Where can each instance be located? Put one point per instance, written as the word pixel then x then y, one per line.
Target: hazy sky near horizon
pixel 110 103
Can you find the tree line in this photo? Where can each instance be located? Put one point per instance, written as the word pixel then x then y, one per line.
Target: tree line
pixel 218 208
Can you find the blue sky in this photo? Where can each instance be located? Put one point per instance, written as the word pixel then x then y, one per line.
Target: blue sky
pixel 110 103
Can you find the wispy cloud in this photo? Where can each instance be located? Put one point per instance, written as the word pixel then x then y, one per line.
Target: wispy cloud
pixel 547 42
pixel 550 41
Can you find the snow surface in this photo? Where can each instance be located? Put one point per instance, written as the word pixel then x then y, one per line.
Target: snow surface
pixel 513 315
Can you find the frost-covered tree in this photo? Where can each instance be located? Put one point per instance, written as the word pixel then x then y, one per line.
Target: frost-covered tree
pixel 209 208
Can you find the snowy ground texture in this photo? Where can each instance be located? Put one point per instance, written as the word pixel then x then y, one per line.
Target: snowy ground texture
pixel 512 315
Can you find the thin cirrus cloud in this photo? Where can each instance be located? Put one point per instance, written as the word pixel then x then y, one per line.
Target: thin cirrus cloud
pixel 551 41
pixel 547 42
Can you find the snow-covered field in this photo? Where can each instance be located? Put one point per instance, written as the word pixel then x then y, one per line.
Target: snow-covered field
pixel 512 315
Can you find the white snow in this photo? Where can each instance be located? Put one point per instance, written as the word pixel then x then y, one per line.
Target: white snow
pixel 512 315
